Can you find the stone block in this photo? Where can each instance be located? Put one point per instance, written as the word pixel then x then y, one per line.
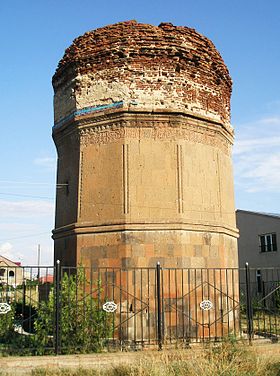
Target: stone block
pixel 128 262
pixel 198 262
pixel 197 250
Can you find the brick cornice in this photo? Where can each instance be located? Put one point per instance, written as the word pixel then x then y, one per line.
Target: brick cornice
pixel 90 228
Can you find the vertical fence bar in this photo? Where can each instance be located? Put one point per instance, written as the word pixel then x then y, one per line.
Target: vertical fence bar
pixel 24 296
pixel 176 305
pixel 57 307
pixel 134 309
pixel 159 323
pixel 148 308
pixel 141 298
pixel 163 320
pixel 119 284
pixel 249 303
pixel 169 313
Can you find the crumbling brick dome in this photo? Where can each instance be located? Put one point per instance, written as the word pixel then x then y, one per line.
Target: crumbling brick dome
pixel 163 67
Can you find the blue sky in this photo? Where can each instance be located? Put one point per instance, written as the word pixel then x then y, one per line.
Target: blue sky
pixel 34 37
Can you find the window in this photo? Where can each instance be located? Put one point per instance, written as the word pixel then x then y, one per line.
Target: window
pixel 11 273
pixel 268 243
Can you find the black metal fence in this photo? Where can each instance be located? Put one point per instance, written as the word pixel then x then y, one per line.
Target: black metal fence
pixel 69 310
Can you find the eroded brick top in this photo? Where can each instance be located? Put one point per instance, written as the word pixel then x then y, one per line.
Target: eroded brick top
pixel 176 65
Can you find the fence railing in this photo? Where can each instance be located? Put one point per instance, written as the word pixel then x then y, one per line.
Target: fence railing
pixel 69 310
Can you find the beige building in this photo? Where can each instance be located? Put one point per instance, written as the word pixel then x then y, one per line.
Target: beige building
pixel 143 136
pixel 258 243
pixel 11 273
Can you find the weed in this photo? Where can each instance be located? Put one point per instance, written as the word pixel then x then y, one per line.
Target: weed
pixel 227 359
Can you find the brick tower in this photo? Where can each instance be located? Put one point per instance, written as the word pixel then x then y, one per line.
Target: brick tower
pixel 143 136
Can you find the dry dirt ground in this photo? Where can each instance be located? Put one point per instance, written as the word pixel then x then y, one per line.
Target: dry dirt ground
pixel 24 365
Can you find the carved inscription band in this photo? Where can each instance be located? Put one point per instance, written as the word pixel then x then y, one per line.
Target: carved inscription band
pixel 113 133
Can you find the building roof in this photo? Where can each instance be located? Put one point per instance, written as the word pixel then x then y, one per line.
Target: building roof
pixel 274 215
pixel 6 261
pixel 46 279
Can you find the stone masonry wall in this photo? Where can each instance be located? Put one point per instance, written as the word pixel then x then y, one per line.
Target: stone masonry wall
pixel 142 130
pixel 143 135
pixel 146 67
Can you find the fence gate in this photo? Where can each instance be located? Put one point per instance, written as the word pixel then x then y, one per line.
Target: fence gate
pixel 260 312
pixel 70 310
pixel 156 306
pixel 123 301
pixel 199 304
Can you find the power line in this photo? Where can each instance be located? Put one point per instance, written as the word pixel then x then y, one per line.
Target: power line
pixel 32 183
pixel 119 204
pixel 23 182
pixel 29 196
pixel 24 236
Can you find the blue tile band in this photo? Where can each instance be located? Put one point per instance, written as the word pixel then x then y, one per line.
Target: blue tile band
pixel 88 110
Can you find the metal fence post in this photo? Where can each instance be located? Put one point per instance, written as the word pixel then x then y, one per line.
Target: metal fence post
pixel 24 296
pixel 249 310
pixel 57 307
pixel 159 318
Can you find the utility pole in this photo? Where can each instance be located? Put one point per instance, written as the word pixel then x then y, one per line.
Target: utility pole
pixel 38 260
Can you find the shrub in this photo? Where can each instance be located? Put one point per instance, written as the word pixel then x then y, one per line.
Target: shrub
pixel 83 326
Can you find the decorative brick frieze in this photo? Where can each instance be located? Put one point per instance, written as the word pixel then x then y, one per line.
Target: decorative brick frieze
pixel 154 67
pixel 161 131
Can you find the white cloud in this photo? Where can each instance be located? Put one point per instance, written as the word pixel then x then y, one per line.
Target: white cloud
pixel 7 250
pixel 249 145
pixel 267 120
pixel 17 227
pixel 24 225
pixel 257 156
pixel 46 162
pixel 270 120
pixel 5 247
pixel 26 250
pixel 30 208
pixel 259 173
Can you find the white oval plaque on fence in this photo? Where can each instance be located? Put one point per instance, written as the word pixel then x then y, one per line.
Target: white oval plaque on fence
pixel 206 305
pixel 110 306
pixel 4 308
